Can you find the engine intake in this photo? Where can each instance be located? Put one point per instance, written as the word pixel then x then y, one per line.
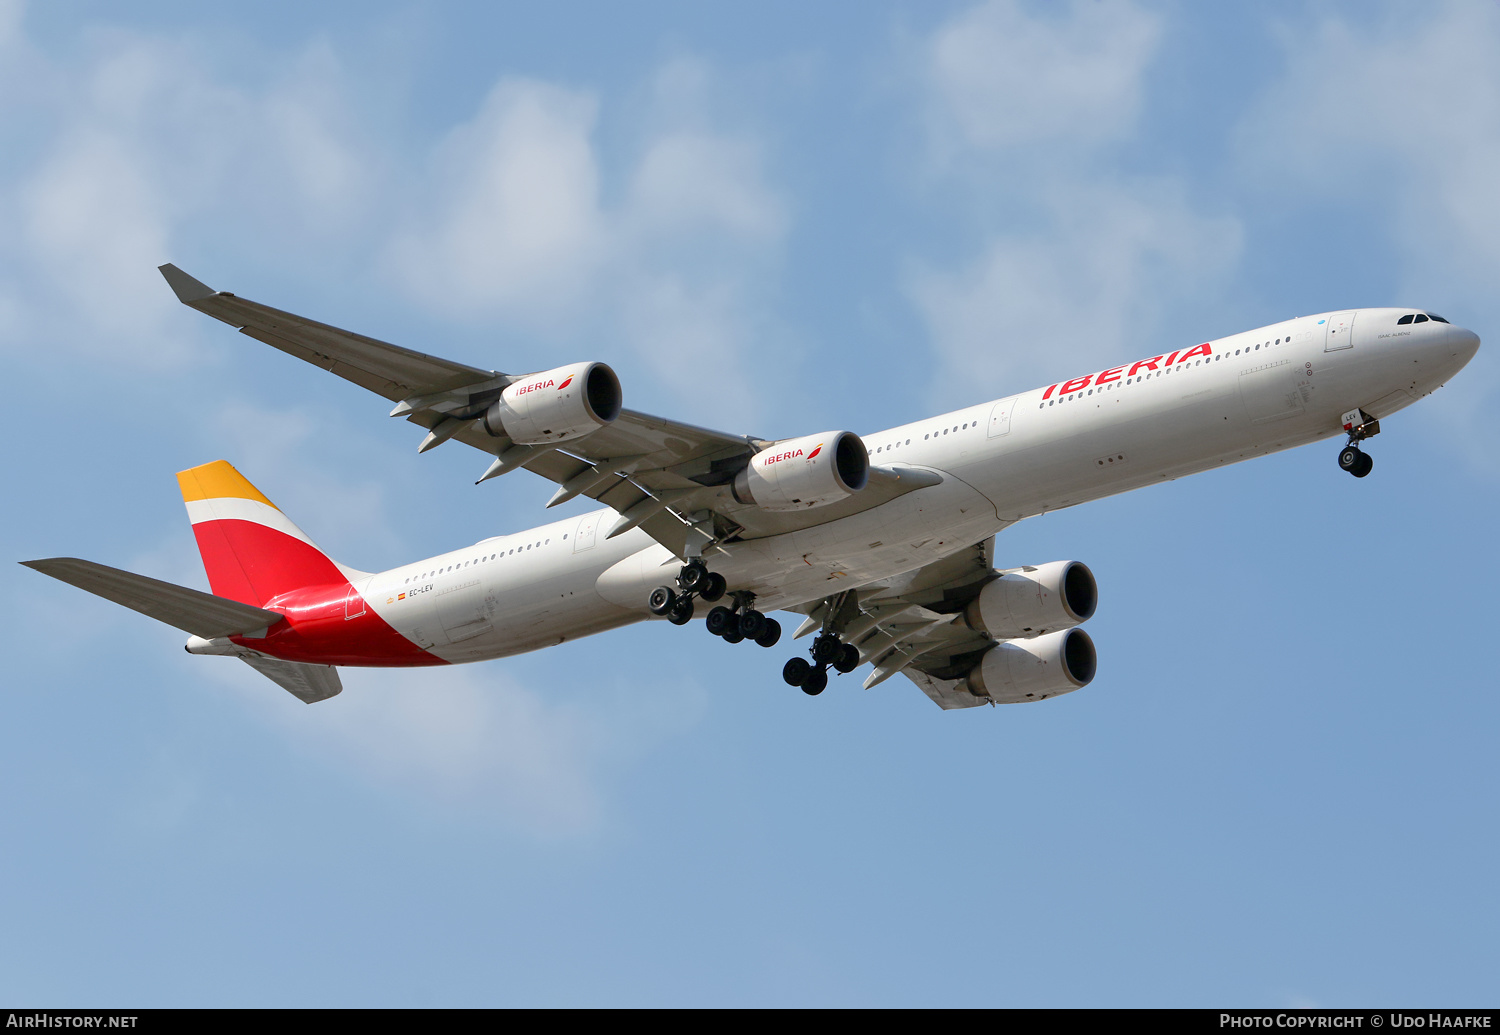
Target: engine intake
pixel 1049 597
pixel 1017 671
pixel 807 472
pixel 556 405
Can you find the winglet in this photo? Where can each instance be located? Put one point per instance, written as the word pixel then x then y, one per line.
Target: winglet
pixel 187 289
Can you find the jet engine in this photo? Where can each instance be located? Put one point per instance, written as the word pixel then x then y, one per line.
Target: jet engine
pixel 555 405
pixel 1017 671
pixel 1034 600
pixel 801 473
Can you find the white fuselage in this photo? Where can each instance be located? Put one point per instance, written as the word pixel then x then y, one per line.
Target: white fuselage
pixel 1243 396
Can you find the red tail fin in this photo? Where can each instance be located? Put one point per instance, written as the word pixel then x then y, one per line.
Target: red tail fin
pixel 251 550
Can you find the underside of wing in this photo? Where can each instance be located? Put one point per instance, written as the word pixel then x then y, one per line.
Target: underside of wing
pixel 914 624
pixel 671 479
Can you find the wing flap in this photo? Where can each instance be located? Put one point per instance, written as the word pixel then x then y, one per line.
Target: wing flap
pixel 947 694
pixel 190 610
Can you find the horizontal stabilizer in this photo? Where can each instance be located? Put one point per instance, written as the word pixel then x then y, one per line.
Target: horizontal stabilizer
pixel 308 683
pixel 190 610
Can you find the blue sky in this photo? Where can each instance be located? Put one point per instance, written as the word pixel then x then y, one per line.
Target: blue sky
pixel 1281 790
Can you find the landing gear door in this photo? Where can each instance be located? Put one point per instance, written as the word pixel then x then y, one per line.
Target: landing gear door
pixel 1000 417
pixel 1340 332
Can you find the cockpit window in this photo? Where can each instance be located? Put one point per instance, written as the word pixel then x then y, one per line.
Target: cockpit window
pixel 1420 319
pixel 1436 317
pixel 1405 319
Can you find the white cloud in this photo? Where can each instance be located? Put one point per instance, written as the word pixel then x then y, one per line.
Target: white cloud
pixel 517 229
pixel 94 221
pixel 1050 305
pixel 145 146
pixel 472 739
pixel 516 223
pixel 700 183
pixel 514 217
pixel 1403 115
pixel 1003 78
pixel 1077 263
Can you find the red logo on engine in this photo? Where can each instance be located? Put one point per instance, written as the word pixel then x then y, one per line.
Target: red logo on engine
pixel 565 384
pixel 816 450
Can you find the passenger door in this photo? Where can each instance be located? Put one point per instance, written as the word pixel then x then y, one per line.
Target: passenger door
pixel 1340 332
pixel 1000 417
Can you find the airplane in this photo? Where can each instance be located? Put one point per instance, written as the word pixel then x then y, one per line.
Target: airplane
pixel 884 542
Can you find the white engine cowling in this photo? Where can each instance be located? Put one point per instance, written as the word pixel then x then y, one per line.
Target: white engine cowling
pixel 800 473
pixel 555 405
pixel 1017 671
pixel 1046 598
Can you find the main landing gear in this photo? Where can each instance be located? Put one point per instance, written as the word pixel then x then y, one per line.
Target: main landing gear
pixel 1351 458
pixel 743 622
pixel 733 624
pixel 827 650
pixel 740 621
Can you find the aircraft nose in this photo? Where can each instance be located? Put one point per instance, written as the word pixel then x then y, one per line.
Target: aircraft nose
pixel 1464 343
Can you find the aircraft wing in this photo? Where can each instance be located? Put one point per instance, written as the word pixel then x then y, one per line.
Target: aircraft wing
pixel 669 478
pixel 914 624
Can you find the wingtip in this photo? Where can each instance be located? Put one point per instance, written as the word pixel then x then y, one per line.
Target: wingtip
pixel 187 289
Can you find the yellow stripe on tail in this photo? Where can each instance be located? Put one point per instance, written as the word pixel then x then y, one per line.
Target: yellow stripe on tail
pixel 218 480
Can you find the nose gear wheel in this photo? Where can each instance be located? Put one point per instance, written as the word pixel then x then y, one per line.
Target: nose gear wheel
pixel 1351 458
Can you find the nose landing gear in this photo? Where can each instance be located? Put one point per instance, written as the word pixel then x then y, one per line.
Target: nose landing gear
pixel 1360 426
pixel 1356 461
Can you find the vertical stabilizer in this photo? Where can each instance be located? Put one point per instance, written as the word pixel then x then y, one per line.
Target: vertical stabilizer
pixel 251 550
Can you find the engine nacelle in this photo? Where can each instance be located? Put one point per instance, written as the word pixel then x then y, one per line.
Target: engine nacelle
pixel 555 405
pixel 801 473
pixel 1017 671
pixel 1053 596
